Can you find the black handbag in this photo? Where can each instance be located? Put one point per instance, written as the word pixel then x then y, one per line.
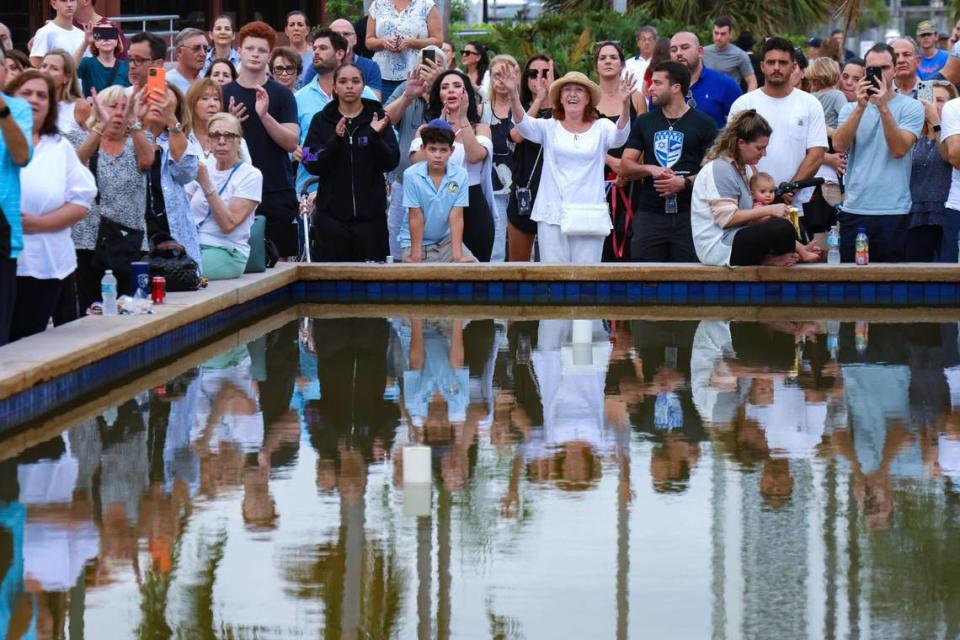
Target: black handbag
pixel 818 214
pixel 117 246
pixel 169 259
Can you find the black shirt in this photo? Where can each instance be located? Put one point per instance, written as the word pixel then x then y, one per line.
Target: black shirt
pixel 681 147
pixel 269 157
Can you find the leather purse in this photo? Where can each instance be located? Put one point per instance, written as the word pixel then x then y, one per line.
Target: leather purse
pixel 169 259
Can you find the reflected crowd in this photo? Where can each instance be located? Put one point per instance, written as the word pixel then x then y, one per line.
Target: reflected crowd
pixel 513 411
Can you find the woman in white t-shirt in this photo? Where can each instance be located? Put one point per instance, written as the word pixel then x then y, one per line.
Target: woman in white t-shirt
pixel 56 191
pixel 72 109
pixel 575 145
pixel 227 193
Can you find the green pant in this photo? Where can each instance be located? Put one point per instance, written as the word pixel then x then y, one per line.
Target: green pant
pixel 222 263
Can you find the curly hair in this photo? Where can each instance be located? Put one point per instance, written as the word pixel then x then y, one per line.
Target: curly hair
pixel 257 29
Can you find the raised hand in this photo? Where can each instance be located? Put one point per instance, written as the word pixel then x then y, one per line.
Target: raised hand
pixel 262 103
pixel 98 108
pixel 509 77
pixel 379 124
pixel 238 109
pixel 628 86
pixel 341 129
pixel 416 86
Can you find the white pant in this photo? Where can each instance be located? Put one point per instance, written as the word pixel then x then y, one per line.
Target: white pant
pixel 395 220
pixel 499 251
pixel 559 248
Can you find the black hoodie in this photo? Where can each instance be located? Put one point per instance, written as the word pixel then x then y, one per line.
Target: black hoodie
pixel 351 168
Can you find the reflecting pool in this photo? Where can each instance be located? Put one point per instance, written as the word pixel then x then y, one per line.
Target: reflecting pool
pixel 589 478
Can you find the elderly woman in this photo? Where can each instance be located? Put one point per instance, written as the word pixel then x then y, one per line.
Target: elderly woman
pixel 205 100
pixel 575 143
pixel 223 200
pixel 56 190
pixel 117 151
pixel 396 31
pixel 727 228
pixel 72 109
pixel 175 162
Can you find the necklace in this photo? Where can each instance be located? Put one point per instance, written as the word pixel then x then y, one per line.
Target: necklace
pixel 671 123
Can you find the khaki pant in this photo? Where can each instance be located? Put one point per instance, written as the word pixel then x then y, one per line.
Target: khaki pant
pixel 439 252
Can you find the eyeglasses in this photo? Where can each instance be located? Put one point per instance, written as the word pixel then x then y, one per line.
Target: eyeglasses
pixel 281 70
pixel 533 74
pixel 222 136
pixel 197 48
pixel 468 52
pixel 136 61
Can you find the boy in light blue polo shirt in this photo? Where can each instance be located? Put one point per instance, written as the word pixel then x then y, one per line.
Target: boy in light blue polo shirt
pixel 434 195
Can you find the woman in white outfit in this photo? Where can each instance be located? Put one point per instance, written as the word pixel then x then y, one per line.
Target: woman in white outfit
pixel 575 144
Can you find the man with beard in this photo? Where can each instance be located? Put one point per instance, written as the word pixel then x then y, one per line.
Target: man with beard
pixel 329 51
pixel 728 58
pixel 710 91
pixel 799 138
pixel 672 141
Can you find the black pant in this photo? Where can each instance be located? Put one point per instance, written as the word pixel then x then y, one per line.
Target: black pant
pixel 887 236
pixel 36 301
pixel 359 241
pixel 8 296
pixel 478 225
pixel 755 242
pixel 923 243
pixel 662 237
pixel 280 208
pixel 68 306
pixel 88 280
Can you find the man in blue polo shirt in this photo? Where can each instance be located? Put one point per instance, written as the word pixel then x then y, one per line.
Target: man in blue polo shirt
pixel 710 91
pixel 16 127
pixel 329 52
pixel 434 195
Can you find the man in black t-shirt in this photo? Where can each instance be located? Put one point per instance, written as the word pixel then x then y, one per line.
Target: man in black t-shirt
pixel 664 152
pixel 271 132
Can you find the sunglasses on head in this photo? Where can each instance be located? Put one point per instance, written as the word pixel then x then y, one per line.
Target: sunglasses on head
pixel 604 43
pixel 533 74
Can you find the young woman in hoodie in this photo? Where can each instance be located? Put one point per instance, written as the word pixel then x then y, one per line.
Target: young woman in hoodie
pixel 349 147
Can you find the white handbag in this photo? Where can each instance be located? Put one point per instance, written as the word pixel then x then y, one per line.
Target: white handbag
pixel 585 220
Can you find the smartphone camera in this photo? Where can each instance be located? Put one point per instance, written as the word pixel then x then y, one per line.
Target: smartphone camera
pixel 875 77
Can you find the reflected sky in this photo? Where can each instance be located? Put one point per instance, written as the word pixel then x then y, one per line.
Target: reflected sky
pixel 587 478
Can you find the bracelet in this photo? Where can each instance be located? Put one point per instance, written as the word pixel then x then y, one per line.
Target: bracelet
pixel 207 194
pixel 97 131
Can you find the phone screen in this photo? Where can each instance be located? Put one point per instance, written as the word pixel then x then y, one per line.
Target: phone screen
pixel 105 33
pixel 428 54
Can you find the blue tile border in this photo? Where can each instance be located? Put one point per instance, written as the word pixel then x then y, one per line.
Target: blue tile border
pixel 47 396
pixel 936 294
pixel 43 398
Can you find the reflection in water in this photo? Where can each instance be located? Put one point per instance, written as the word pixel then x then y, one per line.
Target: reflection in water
pixel 708 479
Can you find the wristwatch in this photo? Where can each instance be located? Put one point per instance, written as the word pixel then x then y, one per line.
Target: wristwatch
pixel 936 128
pixel 136 126
pixel 687 182
pixel 4 112
pixel 177 128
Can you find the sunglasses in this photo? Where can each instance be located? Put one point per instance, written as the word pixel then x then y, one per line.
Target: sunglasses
pixel 222 136
pixel 281 70
pixel 468 52
pixel 533 74
pixel 604 43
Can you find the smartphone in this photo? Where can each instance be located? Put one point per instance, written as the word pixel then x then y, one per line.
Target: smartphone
pixel 925 90
pixel 428 54
pixel 157 80
pixel 105 33
pixel 874 75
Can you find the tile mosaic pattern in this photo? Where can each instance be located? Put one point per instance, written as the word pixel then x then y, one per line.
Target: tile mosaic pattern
pixel 592 293
pixel 47 396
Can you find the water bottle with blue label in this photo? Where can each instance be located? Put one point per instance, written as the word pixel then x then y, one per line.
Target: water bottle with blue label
pixel 108 293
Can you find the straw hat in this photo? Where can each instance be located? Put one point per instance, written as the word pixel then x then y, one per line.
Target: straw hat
pixel 575 77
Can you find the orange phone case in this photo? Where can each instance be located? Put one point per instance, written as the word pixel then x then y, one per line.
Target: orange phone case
pixel 157 80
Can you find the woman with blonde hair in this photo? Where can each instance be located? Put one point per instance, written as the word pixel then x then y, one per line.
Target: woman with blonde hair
pixel 72 110
pixel 227 193
pixel 728 230
pixel 204 100
pixel 496 113
pixel 116 150
pixel 822 78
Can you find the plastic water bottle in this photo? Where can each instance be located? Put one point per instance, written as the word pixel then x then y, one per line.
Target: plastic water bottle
pixel 108 292
pixel 861 333
pixel 833 245
pixel 862 247
pixel 833 338
pixel 670 206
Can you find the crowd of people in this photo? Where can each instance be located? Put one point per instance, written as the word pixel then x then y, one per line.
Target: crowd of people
pixel 678 153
